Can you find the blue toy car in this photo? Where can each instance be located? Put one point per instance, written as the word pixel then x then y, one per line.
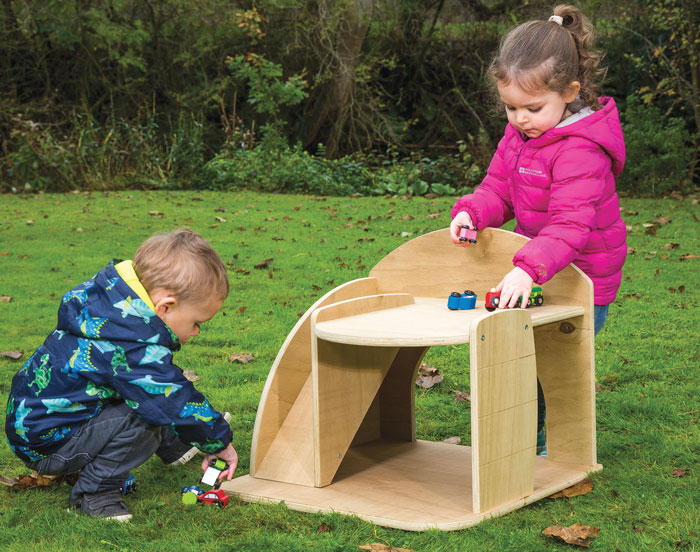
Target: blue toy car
pixel 461 301
pixel 129 484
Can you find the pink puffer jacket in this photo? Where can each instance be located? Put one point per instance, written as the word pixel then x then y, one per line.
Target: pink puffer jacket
pixel 560 188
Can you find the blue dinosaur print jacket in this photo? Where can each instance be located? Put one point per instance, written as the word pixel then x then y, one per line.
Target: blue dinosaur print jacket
pixel 108 346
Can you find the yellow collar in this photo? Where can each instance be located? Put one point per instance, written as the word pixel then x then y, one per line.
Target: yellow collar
pixel 125 269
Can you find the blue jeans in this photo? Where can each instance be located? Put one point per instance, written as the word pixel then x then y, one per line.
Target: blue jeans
pixel 600 314
pixel 105 449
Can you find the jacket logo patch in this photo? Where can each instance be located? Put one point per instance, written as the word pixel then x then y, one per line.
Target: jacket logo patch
pixel 533 172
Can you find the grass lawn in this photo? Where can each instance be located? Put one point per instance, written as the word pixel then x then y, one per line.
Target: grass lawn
pixel 647 497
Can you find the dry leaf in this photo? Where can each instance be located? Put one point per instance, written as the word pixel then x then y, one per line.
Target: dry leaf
pixel 456 440
pixel 428 376
pixel 680 473
pixel 323 528
pixel 5 299
pixel 380 547
pixel 191 375
pixel 219 219
pixel 15 355
pixel 265 263
pixel 243 358
pixel 581 488
pixel 462 396
pixel 672 246
pixel 157 214
pixel 575 534
pixel 686 257
pixel 35 480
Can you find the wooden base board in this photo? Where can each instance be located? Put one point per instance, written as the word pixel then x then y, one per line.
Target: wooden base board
pixel 410 486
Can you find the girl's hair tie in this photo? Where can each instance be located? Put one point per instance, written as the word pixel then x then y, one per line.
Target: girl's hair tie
pixel 559 20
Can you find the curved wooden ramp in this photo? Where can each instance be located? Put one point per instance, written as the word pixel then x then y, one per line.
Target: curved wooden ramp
pixel 335 428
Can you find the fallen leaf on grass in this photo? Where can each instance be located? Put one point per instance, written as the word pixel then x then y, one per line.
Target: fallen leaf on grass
pixel 323 528
pixel 680 473
pixel 219 219
pixel 575 534
pixel 15 355
pixel 191 375
pixel 581 488
pixel 157 214
pixel 265 263
pixel 687 257
pixel 672 246
pixel 5 299
pixel 35 480
pixel 243 358
pixel 428 376
pixel 380 547
pixel 462 396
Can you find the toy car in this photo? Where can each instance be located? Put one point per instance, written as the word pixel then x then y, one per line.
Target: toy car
pixel 191 494
pixel 215 496
pixel 211 476
pixel 467 234
pixel 129 485
pixel 493 298
pixel 461 301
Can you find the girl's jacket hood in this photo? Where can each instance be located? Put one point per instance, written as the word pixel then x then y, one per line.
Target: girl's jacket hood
pixel 109 345
pixel 560 187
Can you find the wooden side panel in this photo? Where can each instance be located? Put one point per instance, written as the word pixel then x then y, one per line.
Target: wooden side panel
pixel 290 457
pixel 290 371
pixel 565 366
pixel 504 408
pixel 432 266
pixel 346 380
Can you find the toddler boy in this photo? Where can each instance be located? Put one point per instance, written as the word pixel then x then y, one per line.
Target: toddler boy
pixel 102 394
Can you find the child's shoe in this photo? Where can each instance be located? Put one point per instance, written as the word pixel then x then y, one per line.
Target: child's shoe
pixel 541 447
pixel 108 505
pixel 188 452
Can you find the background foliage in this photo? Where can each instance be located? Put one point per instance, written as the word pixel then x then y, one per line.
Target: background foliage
pixel 108 94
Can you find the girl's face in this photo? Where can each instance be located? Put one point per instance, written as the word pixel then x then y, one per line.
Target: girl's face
pixel 535 113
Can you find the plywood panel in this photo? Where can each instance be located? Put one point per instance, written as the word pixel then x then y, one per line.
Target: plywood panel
pixel 290 457
pixel 565 366
pixel 410 486
pixel 504 408
pixel 346 380
pixel 291 369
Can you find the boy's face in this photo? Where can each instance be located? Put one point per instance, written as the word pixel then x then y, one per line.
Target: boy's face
pixel 184 319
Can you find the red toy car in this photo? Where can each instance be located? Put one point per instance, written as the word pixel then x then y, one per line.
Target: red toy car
pixel 215 496
pixel 493 298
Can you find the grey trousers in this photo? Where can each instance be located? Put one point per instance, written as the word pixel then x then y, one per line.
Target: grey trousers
pixel 105 449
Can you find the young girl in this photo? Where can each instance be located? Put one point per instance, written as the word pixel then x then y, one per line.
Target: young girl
pixel 555 167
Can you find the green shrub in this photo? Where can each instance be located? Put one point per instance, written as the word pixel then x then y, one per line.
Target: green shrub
pixel 658 151
pixel 294 170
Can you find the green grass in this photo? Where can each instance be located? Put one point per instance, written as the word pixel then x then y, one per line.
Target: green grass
pixel 647 366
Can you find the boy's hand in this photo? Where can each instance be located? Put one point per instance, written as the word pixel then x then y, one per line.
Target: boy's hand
pixel 229 456
pixel 517 283
pixel 457 222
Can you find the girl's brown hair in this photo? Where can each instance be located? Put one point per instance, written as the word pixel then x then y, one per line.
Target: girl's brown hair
pixel 544 54
pixel 182 263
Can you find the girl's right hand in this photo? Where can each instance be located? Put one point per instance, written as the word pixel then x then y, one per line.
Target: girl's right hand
pixel 457 222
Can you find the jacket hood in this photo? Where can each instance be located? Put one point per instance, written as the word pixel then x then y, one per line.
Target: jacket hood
pixel 106 308
pixel 602 127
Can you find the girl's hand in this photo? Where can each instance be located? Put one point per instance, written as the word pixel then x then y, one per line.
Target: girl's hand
pixel 229 456
pixel 457 222
pixel 517 283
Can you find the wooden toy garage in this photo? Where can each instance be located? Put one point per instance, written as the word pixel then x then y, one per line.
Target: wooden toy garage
pixel 336 429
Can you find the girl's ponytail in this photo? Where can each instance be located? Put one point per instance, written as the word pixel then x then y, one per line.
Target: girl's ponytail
pixel 589 58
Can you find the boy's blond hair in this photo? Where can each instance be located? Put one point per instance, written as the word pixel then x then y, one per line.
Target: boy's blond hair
pixel 182 263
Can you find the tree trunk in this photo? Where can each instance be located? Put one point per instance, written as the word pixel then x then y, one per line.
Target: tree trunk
pixel 334 108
